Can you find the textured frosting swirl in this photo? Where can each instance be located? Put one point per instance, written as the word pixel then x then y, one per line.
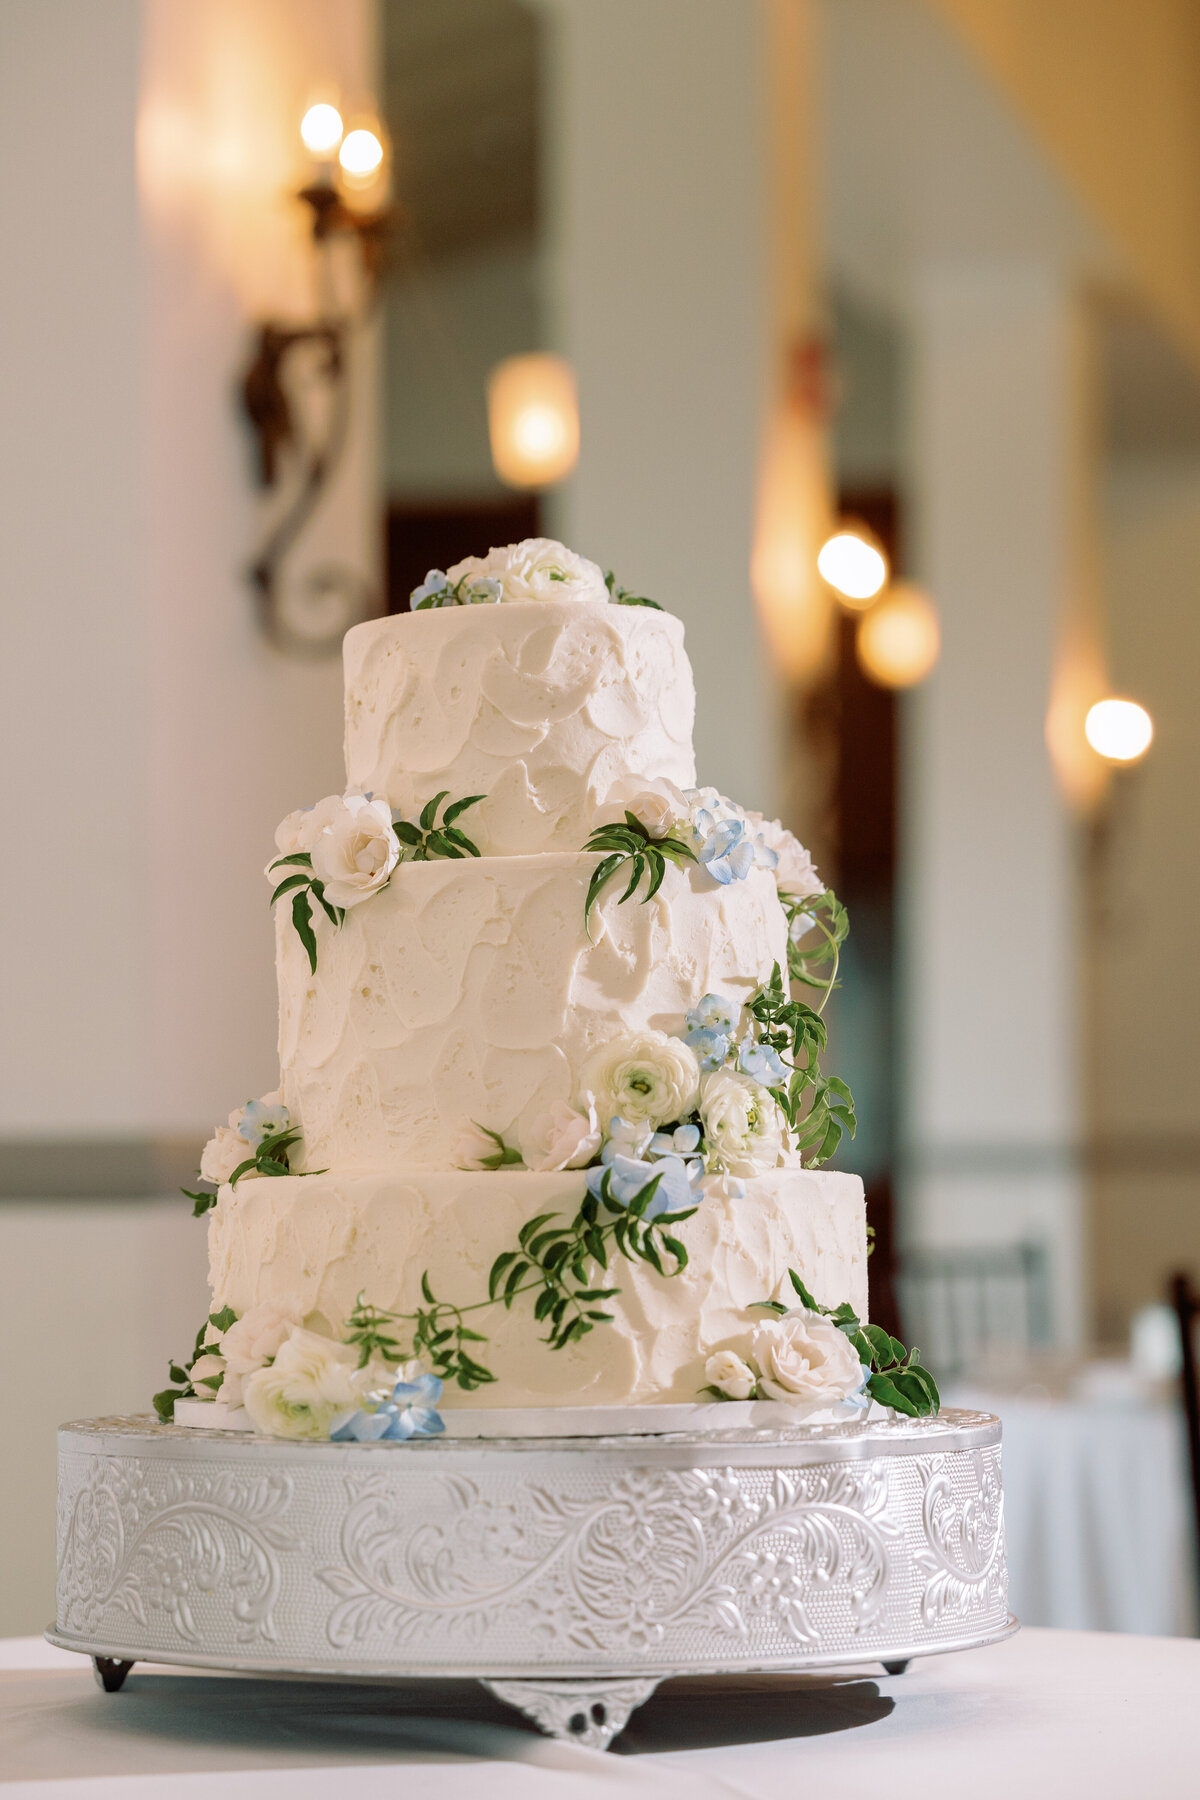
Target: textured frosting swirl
pixel 468 991
pixel 539 705
pixel 311 1246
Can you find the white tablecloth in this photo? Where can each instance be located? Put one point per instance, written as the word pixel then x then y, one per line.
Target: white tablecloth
pixel 1097 1508
pixel 1045 1716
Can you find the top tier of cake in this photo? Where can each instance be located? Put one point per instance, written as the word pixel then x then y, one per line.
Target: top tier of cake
pixel 540 705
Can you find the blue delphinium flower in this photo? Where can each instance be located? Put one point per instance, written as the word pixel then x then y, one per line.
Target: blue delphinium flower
pixel 714 1013
pixel 435 590
pixel 260 1120
pixel 711 1047
pixel 762 1063
pixel 683 1141
pixel 726 852
pixel 407 1412
pixel 625 1138
pixel 627 1176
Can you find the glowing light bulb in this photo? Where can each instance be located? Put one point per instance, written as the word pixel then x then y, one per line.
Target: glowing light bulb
pixel 853 565
pixel 321 130
pixel 361 154
pixel 898 641
pixel 533 420
pixel 1119 730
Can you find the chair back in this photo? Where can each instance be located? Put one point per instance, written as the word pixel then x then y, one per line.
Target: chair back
pixel 961 1301
pixel 1186 1301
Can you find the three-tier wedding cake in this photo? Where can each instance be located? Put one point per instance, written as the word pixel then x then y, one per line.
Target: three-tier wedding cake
pixel 551 1107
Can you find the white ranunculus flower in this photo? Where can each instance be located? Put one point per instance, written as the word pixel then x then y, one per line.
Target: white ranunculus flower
pixel 535 569
pixel 726 1370
pixel 794 872
pixel 309 1389
pixel 657 802
pixel 357 850
pixel 744 1131
pixel 802 1356
pixel 562 1138
pixel 644 1076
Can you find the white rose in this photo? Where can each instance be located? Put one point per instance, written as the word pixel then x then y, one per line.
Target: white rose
pixel 802 1356
pixel 794 872
pixel 645 1076
pixel 562 1138
pixel 726 1370
pixel 535 569
pixel 308 1390
pixel 223 1152
pixel 744 1130
pixel 256 1337
pixel 658 803
pixel 300 830
pixel 471 1146
pixel 356 852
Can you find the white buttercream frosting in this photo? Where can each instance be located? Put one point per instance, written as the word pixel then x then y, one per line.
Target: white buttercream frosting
pixel 469 992
pixel 316 1242
pixel 540 705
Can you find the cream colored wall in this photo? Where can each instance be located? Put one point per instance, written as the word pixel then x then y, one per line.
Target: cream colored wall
pixel 1112 90
pixel 1143 1014
pixel 151 738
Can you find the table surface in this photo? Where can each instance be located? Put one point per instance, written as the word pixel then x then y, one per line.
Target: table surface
pixel 1049 1713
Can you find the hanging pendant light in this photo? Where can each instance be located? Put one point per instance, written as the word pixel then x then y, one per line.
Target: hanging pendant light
pixel 533 420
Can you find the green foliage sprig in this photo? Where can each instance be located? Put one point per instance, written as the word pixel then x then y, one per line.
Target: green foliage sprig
pixel 304 888
pixel 622 597
pixel 503 1157
pixel 646 855
pixel 554 1260
pixel 818 1108
pixel 181 1373
pixel 898 1377
pixel 429 838
pixel 817 967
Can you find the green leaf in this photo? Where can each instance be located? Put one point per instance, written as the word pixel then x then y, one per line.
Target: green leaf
pixel 408 834
pixel 285 887
pixel 621 598
pixel 223 1319
pixel 442 846
pixel 335 914
pixel 658 868
pixel 458 807
pixel 243 1168
pixel 426 1290
pixel 600 875
pixel 202 1202
pixel 429 810
pixel 515 1276
pixel 164 1404
pixel 884 1389
pixel 534 1225
pixel 300 859
pixel 501 1263
pixel 302 920
pixel 455 836
pixel 806 1298
pixel 775 1306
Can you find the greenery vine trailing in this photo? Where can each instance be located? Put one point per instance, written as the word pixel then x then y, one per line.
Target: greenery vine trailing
pixel 622 597
pixel 555 1261
pixel 898 1378
pixel 816 967
pixel 632 844
pixel 792 1028
pixel 181 1373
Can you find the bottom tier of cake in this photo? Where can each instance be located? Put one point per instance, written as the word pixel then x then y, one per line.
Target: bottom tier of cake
pixel 312 1244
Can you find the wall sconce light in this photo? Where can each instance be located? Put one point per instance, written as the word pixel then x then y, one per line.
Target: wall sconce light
pixel 898 641
pixel 347 198
pixel 853 563
pixel 1119 730
pixel 533 420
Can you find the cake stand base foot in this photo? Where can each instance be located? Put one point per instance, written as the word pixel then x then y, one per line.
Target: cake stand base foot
pixel 897 1668
pixel 110 1673
pixel 591 1713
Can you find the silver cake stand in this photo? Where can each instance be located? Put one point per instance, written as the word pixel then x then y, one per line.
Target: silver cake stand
pixel 569 1576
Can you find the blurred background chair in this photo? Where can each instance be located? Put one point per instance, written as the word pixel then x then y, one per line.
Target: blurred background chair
pixel 960 1305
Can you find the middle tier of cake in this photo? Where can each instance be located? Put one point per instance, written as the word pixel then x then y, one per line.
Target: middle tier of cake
pixel 470 992
pixel 311 1245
